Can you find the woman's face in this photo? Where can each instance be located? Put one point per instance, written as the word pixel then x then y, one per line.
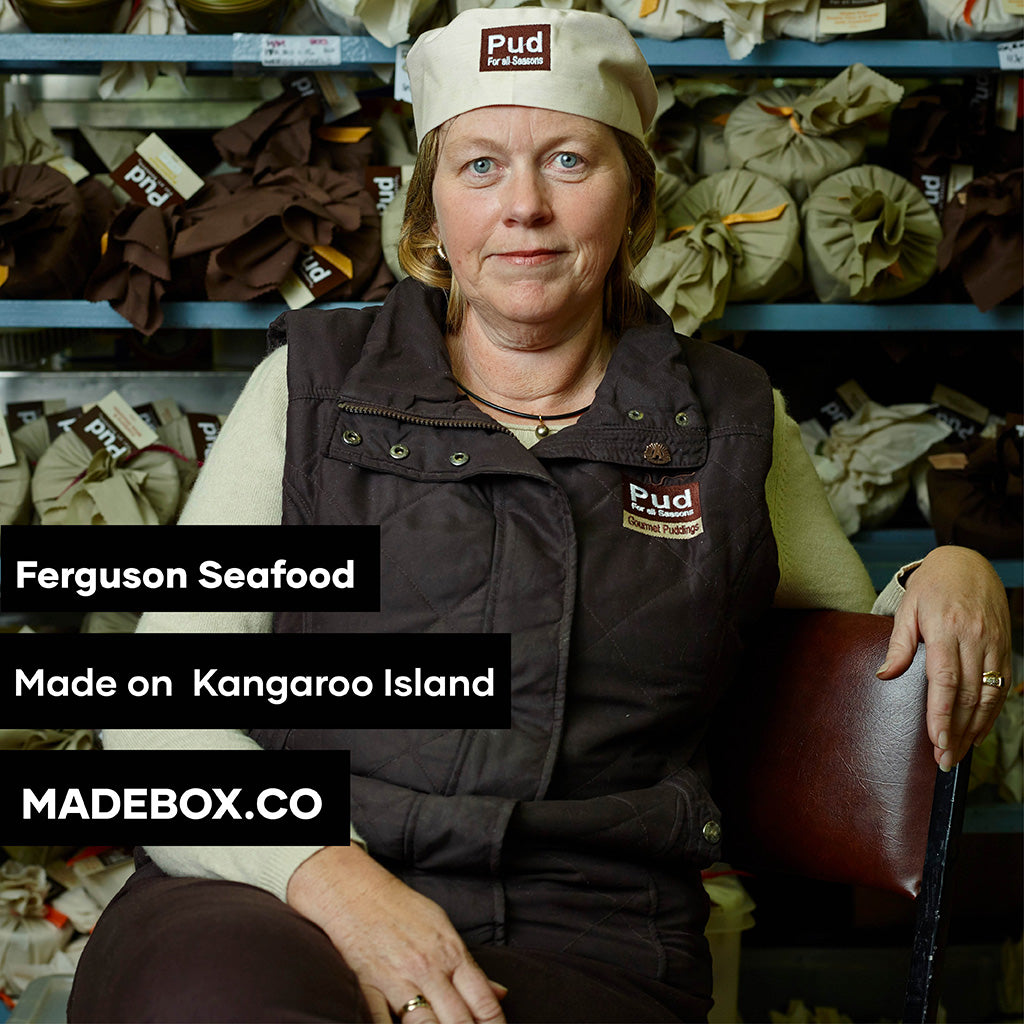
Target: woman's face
pixel 531 209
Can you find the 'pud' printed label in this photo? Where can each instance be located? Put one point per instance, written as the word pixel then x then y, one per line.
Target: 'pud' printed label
pixel 671 511
pixel 113 425
pixel 516 48
pixel 155 175
pixel 318 270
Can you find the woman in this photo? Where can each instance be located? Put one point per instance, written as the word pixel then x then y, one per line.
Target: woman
pixel 617 498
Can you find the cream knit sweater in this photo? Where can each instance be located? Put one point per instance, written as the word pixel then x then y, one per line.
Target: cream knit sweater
pixel 241 484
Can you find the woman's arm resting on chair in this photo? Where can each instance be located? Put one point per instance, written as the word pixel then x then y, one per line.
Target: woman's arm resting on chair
pixel 956 604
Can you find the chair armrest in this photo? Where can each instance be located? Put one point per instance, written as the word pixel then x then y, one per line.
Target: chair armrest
pixel 820 768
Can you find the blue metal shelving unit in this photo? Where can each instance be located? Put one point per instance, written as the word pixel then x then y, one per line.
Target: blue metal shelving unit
pixel 884 551
pixel 807 316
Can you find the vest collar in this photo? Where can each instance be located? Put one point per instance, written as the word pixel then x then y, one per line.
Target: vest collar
pixel 646 413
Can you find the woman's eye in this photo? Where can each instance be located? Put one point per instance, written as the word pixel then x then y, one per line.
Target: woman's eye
pixel 481 165
pixel 567 161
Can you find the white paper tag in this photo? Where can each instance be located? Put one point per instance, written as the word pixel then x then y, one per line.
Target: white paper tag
pixel 300 51
pixel 403 88
pixel 127 420
pixel 1011 55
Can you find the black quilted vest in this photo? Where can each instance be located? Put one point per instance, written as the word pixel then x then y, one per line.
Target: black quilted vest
pixel 584 827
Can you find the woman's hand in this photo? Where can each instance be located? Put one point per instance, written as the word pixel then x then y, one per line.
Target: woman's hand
pixel 956 604
pixel 399 944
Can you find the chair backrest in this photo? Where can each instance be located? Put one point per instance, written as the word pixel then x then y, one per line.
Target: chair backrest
pixel 823 770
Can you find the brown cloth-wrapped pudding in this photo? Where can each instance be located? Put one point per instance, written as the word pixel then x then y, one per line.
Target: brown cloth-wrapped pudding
pixel 982 241
pixel 50 232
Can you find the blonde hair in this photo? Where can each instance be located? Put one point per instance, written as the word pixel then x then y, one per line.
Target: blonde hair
pixel 624 301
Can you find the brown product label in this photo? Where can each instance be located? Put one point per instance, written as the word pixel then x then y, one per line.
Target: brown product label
pixel 671 511
pixel 98 433
pixel 148 414
pixel 933 186
pixel 304 84
pixel 516 48
pixel 317 271
pixel 157 412
pixel 20 413
pixel 58 423
pixel 143 184
pixel 156 175
pixel 382 183
pixel 204 428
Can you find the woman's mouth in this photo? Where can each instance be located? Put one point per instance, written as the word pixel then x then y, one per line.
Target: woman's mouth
pixel 528 257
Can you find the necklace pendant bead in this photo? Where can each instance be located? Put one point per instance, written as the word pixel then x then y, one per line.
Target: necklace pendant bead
pixel 542 430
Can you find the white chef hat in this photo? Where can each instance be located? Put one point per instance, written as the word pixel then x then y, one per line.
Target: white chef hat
pixel 573 61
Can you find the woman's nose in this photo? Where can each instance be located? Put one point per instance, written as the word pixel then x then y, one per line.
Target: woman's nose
pixel 526 200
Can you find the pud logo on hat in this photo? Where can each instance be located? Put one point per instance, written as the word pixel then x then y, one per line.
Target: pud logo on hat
pixel 519 47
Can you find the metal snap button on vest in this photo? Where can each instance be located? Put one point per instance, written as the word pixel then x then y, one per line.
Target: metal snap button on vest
pixel 657 453
pixel 635 414
pixel 682 418
pixel 398 451
pixel 458 458
pixel 351 437
pixel 712 831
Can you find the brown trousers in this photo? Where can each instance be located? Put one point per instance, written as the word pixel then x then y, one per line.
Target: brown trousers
pixel 189 949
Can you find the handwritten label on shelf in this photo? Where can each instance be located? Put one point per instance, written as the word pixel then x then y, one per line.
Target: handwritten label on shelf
pixel 300 51
pixel 1011 55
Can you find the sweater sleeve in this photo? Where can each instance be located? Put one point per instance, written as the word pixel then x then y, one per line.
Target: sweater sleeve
pixel 240 485
pixel 818 566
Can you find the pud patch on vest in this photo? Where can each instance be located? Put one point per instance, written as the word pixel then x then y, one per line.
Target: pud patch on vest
pixel 664 510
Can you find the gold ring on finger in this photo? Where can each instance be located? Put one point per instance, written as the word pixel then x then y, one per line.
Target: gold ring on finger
pixel 993 679
pixel 417 1002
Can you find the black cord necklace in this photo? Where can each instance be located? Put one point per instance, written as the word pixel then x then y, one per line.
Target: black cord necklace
pixel 541 429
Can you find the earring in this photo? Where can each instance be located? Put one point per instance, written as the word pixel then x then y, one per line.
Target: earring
pixel 441 252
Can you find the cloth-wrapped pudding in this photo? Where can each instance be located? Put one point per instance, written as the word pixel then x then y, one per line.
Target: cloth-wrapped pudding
pixel 973 19
pixel 982 238
pixel 869 235
pixel 660 19
pixel 799 136
pixel 135 266
pixel 49 238
pixel 254 234
pixel 74 486
pixel 732 237
pixel 389 21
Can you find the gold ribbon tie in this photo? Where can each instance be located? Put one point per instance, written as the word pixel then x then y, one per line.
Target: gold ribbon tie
pixel 789 112
pixel 758 217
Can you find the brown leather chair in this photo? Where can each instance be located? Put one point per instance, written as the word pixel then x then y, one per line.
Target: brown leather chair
pixel 826 771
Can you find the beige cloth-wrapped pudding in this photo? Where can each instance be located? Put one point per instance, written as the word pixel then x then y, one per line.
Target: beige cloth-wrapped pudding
pixel 732 237
pixel 800 137
pixel 74 486
pixel 869 235
pixel 972 19
pixel 659 19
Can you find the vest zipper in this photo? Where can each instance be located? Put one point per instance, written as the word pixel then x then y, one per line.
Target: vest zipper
pixel 425 421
